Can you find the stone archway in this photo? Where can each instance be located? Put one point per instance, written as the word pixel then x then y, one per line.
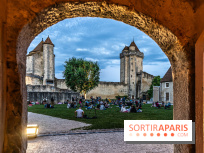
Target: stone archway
pixel 164 38
pixel 179 51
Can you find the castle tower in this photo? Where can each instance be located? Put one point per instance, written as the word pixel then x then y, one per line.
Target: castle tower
pixel 131 67
pixel 48 62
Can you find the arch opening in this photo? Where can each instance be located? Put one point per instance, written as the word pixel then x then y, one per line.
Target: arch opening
pixel 162 36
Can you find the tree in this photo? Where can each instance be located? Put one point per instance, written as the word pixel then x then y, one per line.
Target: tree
pixel 81 75
pixel 155 82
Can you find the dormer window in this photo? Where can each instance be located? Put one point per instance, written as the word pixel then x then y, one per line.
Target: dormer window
pixel 167 85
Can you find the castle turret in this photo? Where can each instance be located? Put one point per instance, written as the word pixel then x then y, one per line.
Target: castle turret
pixel 49 62
pixel 131 66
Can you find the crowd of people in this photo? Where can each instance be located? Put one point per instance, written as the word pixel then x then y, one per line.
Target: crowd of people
pixel 103 104
pixel 157 105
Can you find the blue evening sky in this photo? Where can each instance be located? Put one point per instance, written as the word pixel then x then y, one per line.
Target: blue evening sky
pixel 101 40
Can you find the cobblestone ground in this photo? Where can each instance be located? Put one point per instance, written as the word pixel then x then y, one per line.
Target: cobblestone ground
pixel 83 143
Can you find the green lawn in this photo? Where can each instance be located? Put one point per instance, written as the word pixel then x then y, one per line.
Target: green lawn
pixel 106 119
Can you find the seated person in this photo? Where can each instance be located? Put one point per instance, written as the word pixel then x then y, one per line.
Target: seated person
pixel 136 103
pixel 79 113
pixel 69 105
pixel 123 109
pixel 120 105
pixel 133 109
pixel 75 104
pixel 162 105
pixel 90 106
pixel 107 105
pixel 98 106
pixel 101 102
pixel 153 104
pixel 102 107
pixel 139 106
pixel 86 104
pixel 168 105
pixel 72 105
pixel 157 104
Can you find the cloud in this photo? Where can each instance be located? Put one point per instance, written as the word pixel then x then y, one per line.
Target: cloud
pixel 110 73
pixel 157 68
pixel 81 49
pixel 101 40
pixel 91 59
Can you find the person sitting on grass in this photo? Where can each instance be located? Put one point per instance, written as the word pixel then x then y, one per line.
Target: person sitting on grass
pixel 79 113
pixel 107 105
pixel 123 109
pixel 139 106
pixel 75 105
pixel 69 105
pixel 168 105
pixel 90 106
pixel 102 107
pixel 157 104
pixel 120 105
pixel 133 109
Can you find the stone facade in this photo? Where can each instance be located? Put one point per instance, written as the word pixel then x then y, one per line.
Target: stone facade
pixel 131 72
pixel 164 92
pixel 41 75
pixel 109 90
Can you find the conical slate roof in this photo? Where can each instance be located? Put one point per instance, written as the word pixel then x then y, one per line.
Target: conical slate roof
pixel 126 48
pixel 168 76
pixel 48 41
pixel 133 44
pixel 39 47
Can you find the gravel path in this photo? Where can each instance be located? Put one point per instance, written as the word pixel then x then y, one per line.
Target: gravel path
pixel 83 143
pixel 48 124
pixel 92 143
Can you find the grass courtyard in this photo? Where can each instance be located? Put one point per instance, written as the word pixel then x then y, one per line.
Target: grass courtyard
pixel 106 119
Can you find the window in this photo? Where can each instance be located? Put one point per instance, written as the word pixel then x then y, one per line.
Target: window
pixel 131 76
pixel 167 85
pixel 133 83
pixel 167 96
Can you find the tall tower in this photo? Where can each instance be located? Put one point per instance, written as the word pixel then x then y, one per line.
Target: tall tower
pixel 131 67
pixel 48 62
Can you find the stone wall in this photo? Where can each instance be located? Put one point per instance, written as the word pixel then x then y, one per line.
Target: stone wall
pixel 38 63
pixel 49 67
pixel 146 81
pixel 156 93
pixel 33 80
pixel 58 96
pixel 164 89
pixel 60 83
pixel 29 64
pixel 38 92
pixel 111 89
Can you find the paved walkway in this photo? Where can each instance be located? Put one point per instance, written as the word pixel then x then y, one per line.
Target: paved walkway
pixel 80 143
pixel 48 124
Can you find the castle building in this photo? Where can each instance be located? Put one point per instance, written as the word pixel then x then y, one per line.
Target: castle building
pixel 131 69
pixel 40 75
pixel 164 92
pixel 42 84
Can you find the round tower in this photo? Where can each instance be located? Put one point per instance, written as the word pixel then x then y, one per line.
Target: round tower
pixel 49 62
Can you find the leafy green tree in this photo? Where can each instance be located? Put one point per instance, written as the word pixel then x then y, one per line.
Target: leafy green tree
pixel 155 82
pixel 81 75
